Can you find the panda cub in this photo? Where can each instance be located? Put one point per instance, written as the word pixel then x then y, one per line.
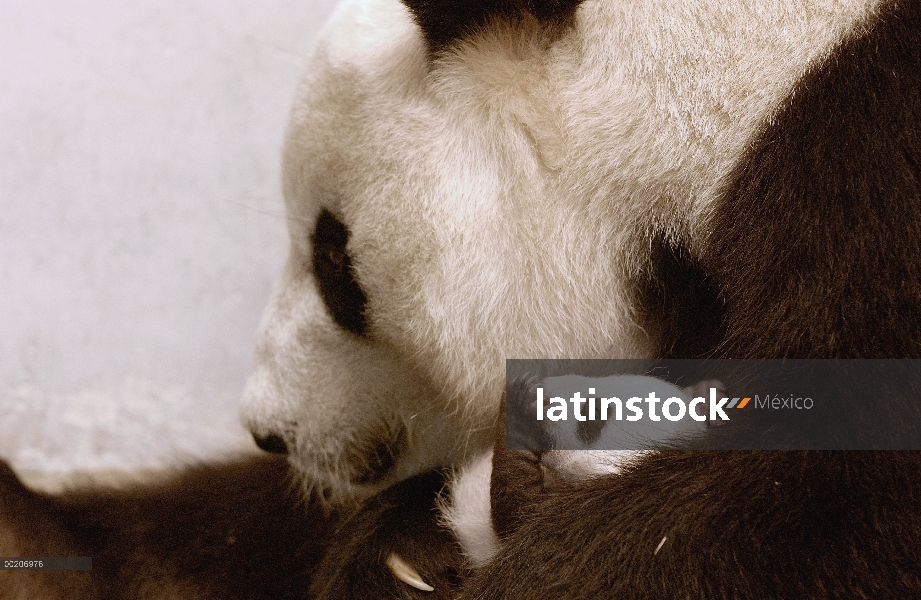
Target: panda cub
pixel 591 428
pixel 487 497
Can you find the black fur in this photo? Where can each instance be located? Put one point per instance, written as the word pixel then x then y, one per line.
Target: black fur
pixel 237 531
pixel 736 525
pixel 816 245
pixel 225 532
pixel 679 304
pixel 815 252
pixel 518 485
pixel 444 22
pixel 403 519
pixel 332 266
pixel 517 482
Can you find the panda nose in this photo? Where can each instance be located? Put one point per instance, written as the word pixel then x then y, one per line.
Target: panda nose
pixel 271 443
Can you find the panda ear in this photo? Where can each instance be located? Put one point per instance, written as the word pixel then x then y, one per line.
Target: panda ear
pixel 444 22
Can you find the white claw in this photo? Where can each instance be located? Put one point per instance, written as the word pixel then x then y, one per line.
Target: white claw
pixel 406 573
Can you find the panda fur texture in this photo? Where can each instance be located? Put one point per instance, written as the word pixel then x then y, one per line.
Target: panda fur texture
pixel 612 179
pixel 234 531
pixel 467 182
pixel 812 249
pixel 581 180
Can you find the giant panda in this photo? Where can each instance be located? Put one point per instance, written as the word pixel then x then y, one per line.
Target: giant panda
pixel 473 181
pixel 470 182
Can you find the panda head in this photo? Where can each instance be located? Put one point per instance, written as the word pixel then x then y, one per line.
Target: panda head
pixel 426 247
pixel 465 185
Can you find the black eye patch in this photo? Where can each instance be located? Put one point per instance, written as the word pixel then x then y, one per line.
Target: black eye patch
pixel 333 267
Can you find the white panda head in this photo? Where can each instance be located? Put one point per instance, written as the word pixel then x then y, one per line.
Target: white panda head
pixel 459 195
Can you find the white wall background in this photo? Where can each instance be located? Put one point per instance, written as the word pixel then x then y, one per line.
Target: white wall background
pixel 141 222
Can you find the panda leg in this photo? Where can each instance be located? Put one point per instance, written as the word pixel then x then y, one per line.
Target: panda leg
pixel 222 531
pixel 395 546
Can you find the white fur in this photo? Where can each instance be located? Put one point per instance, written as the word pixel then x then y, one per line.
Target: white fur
pixel 467 512
pixel 499 201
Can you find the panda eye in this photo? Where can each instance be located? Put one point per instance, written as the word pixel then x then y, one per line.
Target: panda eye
pixel 332 266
